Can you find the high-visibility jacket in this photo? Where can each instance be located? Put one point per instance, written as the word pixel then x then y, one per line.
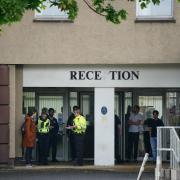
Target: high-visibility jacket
pixel 80 123
pixel 43 126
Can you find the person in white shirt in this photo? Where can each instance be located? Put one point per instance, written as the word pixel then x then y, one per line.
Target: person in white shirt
pixel 134 121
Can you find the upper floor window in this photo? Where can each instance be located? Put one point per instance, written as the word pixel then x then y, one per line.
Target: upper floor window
pixel 162 11
pixel 51 13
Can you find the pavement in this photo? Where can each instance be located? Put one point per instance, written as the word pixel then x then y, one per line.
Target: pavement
pixel 124 167
pixel 70 174
pixel 63 171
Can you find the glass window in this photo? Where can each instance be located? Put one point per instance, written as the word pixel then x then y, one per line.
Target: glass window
pixel 128 104
pixel 148 104
pixel 73 100
pixel 28 101
pixel 163 10
pixel 173 108
pixel 85 104
pixel 128 99
pixel 116 104
pixel 55 102
pixel 51 13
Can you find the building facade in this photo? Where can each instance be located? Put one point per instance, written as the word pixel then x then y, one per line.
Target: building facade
pixel 48 61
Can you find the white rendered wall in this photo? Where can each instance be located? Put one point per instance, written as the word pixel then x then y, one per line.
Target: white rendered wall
pixel 104 127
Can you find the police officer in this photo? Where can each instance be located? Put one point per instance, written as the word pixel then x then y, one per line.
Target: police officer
pixel 71 134
pixel 79 129
pixel 54 128
pixel 43 127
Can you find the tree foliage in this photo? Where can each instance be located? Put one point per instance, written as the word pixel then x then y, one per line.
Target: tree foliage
pixel 13 10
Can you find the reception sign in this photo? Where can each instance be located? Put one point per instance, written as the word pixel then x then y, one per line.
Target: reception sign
pixel 100 76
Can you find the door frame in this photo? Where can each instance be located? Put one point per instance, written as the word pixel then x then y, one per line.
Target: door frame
pixel 151 92
pixel 65 115
pixel 136 92
pixel 90 93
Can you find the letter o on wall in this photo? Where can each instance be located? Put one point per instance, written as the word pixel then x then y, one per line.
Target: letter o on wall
pixel 126 75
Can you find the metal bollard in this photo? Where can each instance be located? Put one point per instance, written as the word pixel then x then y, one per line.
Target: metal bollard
pixel 158 168
pixel 142 166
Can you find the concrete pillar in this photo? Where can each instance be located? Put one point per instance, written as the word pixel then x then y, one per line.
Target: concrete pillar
pixel 12 105
pixel 104 126
pixel 18 109
pixel 175 174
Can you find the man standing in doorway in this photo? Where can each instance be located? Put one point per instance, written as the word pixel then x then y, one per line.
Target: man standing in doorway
pixel 71 134
pixel 43 127
pixel 79 129
pixel 54 128
pixel 153 124
pixel 134 121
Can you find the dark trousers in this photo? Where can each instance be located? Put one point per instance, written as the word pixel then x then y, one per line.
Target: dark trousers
pixel 133 140
pixel 147 144
pixel 72 144
pixel 43 147
pixel 53 145
pixel 79 146
pixel 28 155
pixel 117 153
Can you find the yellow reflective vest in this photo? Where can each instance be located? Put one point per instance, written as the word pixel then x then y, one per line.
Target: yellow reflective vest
pixel 80 123
pixel 43 126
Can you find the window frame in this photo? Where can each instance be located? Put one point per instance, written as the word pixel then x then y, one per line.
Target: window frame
pixel 154 17
pixel 48 17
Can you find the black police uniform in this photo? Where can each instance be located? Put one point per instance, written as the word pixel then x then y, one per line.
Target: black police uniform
pixel 43 142
pixel 53 136
pixel 71 136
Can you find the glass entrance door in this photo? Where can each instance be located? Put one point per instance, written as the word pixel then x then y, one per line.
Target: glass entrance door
pixel 123 107
pixel 147 104
pixel 87 109
pixel 56 102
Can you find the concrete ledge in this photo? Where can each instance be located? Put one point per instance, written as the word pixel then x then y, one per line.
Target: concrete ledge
pixel 146 20
pixel 164 173
pixel 118 168
pixel 175 174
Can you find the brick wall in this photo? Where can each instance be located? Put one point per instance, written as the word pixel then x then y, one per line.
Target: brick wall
pixel 4 114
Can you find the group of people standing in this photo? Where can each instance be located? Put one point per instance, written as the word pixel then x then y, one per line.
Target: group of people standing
pixel 150 135
pixel 44 132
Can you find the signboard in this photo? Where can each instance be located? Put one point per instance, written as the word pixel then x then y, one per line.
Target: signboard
pixel 100 76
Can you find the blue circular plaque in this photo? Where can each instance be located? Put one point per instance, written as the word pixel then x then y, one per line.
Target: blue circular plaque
pixel 104 110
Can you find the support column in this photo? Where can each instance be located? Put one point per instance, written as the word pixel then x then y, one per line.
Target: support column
pixel 18 110
pixel 104 126
pixel 12 87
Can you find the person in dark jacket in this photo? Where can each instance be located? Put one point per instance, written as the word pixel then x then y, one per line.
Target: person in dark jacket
pixel 54 128
pixel 153 124
pixel 71 135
